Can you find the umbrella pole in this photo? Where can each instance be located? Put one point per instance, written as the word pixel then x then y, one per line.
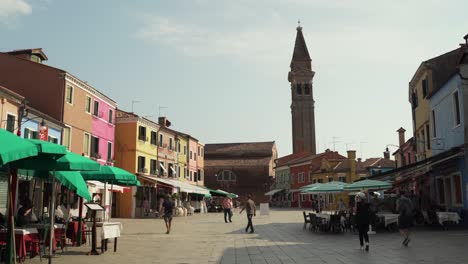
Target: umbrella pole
pixel 52 219
pixel 110 213
pixel 105 201
pixel 80 220
pixel 11 247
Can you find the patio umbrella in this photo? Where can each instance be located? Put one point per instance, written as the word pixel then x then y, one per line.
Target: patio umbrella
pixel 368 185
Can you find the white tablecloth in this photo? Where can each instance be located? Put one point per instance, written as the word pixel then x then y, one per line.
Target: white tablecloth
pixel 19 231
pixel 388 218
pixel 447 216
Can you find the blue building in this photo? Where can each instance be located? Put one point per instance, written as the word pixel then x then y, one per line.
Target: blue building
pixel 36 124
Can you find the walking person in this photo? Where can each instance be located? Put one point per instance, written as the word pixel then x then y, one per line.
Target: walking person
pixel 362 219
pixel 227 205
pixel 168 207
pixel 251 211
pixel 405 219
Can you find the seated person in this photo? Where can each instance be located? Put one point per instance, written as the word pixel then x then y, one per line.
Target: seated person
pixel 25 214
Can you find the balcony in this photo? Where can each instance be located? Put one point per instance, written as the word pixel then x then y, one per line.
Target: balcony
pixel 143 138
pixel 143 170
pixel 95 155
pixel 154 172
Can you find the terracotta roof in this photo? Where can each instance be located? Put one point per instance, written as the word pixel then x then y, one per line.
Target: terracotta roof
pixel 237 162
pixel 242 150
pixel 284 160
pixel 443 68
pixel 29 51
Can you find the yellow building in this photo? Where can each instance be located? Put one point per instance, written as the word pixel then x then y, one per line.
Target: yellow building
pixel 182 158
pixel 136 151
pixel 420 88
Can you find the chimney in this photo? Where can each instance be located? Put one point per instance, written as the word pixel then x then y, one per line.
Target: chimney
pixel 401 135
pixel 162 121
pixel 352 165
pixel 386 154
pixel 466 39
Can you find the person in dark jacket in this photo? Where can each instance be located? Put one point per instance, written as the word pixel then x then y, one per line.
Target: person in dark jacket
pixel 362 219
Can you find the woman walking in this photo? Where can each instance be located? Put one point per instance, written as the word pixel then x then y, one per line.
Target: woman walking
pixel 362 219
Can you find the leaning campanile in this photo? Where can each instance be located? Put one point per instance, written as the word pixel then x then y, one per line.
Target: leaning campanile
pixel 302 106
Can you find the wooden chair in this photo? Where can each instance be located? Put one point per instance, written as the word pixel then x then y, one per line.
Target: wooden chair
pixel 306 219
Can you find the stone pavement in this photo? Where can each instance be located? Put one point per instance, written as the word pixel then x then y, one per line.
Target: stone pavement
pixel 278 238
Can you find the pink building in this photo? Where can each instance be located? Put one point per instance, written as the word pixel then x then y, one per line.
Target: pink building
pixel 192 159
pixel 103 123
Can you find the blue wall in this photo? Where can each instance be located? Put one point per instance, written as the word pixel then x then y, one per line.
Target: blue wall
pixel 447 134
pixel 35 124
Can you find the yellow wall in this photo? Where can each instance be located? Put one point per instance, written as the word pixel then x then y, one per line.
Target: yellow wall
pixel 182 157
pixel 127 150
pixel 422 113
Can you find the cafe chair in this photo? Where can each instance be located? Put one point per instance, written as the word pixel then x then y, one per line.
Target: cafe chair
pixel 306 219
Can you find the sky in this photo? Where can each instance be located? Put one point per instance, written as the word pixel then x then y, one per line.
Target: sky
pixel 218 69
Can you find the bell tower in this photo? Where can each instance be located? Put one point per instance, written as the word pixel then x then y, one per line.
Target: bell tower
pixel 302 106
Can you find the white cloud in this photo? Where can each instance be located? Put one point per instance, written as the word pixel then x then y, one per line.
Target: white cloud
pixel 10 9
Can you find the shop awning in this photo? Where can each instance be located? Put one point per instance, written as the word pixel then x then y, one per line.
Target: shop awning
pixel 273 192
pixel 147 179
pixel 162 167
pixel 114 188
pixel 183 186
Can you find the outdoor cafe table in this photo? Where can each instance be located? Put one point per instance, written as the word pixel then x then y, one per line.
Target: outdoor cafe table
pixel 108 230
pixel 388 218
pixel 326 217
pixel 447 216
pixel 23 239
pixel 59 229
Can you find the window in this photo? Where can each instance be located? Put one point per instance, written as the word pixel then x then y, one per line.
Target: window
pixel 10 125
pixel 109 151
pixel 298 89
pixel 198 151
pixel 414 99
pixel 441 190
pixel 52 139
pixel 304 197
pixel 423 137
pixel 457 195
pixel 342 178
pixel 292 178
pixel 330 178
pixel 225 175
pixel 310 176
pixel 190 154
pixel 170 143
pixel 154 138
pixel 300 177
pixel 111 116
pixel 160 140
pixel 66 137
pixel 141 164
pixel 96 109
pixel 27 133
pixel 185 150
pixel 195 156
pixel 307 89
pixel 142 133
pixel 95 147
pixel 178 171
pixel 86 144
pixel 320 180
pixel 153 167
pixel 190 178
pixel 88 104
pixel 200 172
pixel 424 88
pixel 428 137
pixel 456 108
pixel 69 95
pixel 434 131
pixel 201 152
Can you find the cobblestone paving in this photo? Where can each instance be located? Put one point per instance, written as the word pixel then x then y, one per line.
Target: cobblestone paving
pixel 278 238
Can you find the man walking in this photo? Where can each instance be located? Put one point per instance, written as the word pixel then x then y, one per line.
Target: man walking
pixel 405 219
pixel 227 205
pixel 249 207
pixel 168 207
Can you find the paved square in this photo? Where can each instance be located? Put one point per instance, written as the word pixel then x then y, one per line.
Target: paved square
pixel 278 238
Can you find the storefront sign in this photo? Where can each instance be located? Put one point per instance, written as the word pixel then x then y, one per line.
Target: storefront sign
pixel 44 133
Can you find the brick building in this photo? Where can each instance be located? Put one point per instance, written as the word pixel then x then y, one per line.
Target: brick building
pixel 241 168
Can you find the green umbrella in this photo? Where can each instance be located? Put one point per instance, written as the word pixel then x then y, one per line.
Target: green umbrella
pixel 232 195
pixel 70 161
pixel 45 147
pixel 14 148
pixel 109 174
pixel 368 184
pixel 74 181
pixel 324 188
